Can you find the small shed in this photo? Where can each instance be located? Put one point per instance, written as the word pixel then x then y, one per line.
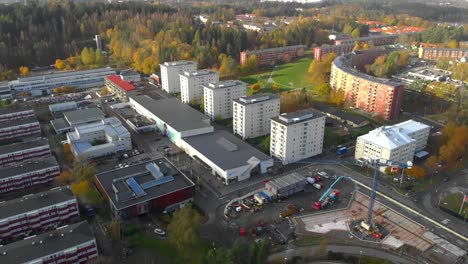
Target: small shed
pixel 287 185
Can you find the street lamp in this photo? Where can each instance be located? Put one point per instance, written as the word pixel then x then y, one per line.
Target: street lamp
pixel 285 260
pixel 360 254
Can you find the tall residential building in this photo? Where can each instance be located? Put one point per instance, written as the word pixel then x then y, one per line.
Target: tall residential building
pixel 252 114
pixel 170 80
pixel 397 143
pixel 218 97
pixel 68 244
pixel 296 136
pixel 191 84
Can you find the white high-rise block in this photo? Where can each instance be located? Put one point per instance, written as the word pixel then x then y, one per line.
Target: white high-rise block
pixel 191 84
pixel 218 97
pixel 170 80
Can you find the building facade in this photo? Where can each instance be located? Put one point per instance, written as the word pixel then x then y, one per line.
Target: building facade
pixel 429 53
pixel 273 55
pixel 24 152
pixel 20 128
pixel 170 80
pixel 251 114
pixel 102 138
pixel 191 84
pixel 296 136
pixel 28 175
pixel 320 52
pixel 5 91
pixel 36 213
pixel 118 86
pixel 68 244
pixel 375 96
pixel 218 98
pixel 7 115
pixel 378 40
pixel 60 107
pixel 397 143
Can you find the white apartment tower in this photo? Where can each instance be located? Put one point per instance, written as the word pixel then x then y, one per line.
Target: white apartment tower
pixel 397 143
pixel 218 97
pixel 170 80
pixel 296 136
pixel 191 84
pixel 252 114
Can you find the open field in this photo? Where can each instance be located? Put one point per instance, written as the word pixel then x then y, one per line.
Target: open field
pixel 453 202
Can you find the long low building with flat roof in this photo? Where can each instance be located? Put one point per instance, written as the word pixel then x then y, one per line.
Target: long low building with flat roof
pixel 173 118
pixel 35 213
pixel 15 113
pixel 24 152
pixel 153 186
pixel 83 116
pixel 229 157
pixel 19 128
pixel 69 244
pixel 28 175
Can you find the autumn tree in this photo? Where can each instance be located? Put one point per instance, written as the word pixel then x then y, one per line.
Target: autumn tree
pixel 320 70
pixel 356 33
pixel 64 178
pixel 460 71
pixel 452 44
pixel 250 65
pixel 275 87
pixel 59 64
pixel 88 56
pixel 24 71
pixel 80 188
pixel 67 154
pixel 104 91
pixel 255 87
pixel 266 144
pixel 83 171
pixel 323 89
pixel 99 58
pixel 228 66
pixel 432 162
pixel 416 172
pixel 336 97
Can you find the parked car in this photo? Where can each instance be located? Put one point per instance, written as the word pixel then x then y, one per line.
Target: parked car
pixel 159 231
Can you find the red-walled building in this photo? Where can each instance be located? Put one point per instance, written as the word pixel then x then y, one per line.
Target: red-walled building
pixel 35 213
pixel 429 53
pixel 373 95
pixel 19 128
pixel 68 244
pixel 271 56
pixel 320 52
pixel 154 186
pixel 376 40
pixel 24 152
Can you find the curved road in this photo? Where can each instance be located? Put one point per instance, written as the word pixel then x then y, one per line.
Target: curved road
pixel 349 250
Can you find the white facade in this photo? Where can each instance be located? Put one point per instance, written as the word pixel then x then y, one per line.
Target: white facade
pixel 100 138
pixel 170 80
pixel 397 143
pixel 252 114
pixel 191 84
pixel 218 98
pixel 297 135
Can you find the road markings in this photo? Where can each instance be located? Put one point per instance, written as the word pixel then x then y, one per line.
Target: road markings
pixel 414 212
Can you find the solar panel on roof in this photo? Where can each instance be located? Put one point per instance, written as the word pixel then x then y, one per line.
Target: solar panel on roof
pixel 157 182
pixel 154 170
pixel 136 188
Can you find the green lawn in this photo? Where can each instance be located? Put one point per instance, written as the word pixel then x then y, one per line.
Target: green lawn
pixel 330 138
pixel 139 239
pixel 453 202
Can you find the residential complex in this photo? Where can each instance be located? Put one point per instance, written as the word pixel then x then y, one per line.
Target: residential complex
pixel 13 114
pixel 28 175
pixel 69 244
pixel 36 213
pixel 118 86
pixel 271 56
pixel 375 96
pixel 218 98
pixel 191 84
pixel 24 151
pixel 44 84
pixel 156 186
pixel 320 52
pixel 101 138
pixel 296 136
pixel 170 80
pixel 251 114
pixel 397 143
pixel 430 53
pixel 19 128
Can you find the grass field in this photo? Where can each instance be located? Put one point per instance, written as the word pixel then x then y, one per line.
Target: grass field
pixel 453 203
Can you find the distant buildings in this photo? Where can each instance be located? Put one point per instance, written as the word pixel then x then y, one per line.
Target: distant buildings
pixel 118 86
pixel 397 143
pixel 101 138
pixel 218 98
pixel 69 244
pixel 130 75
pixel 429 53
pixel 24 152
pixel 296 136
pixel 5 91
pixel 191 84
pixel 28 175
pixel 273 55
pixel 320 52
pixel 36 213
pixel 19 128
pixel 156 186
pixel 251 114
pixel 44 84
pixel 375 96
pixel 170 80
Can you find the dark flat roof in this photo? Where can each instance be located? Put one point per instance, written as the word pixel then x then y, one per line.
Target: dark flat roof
pixel 18 122
pixel 173 112
pixel 256 98
pixel 35 201
pixel 297 117
pixel 251 52
pixel 224 149
pixel 23 146
pixel 84 115
pixel 52 242
pixel 339 113
pixel 14 110
pixel 115 179
pixel 28 167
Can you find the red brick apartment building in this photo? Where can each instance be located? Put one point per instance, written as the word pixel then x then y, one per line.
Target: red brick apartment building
pixel 430 53
pixel 36 213
pixel 269 56
pixel 24 151
pixel 373 95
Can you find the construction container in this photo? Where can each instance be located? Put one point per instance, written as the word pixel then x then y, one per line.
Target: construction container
pixel 286 185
